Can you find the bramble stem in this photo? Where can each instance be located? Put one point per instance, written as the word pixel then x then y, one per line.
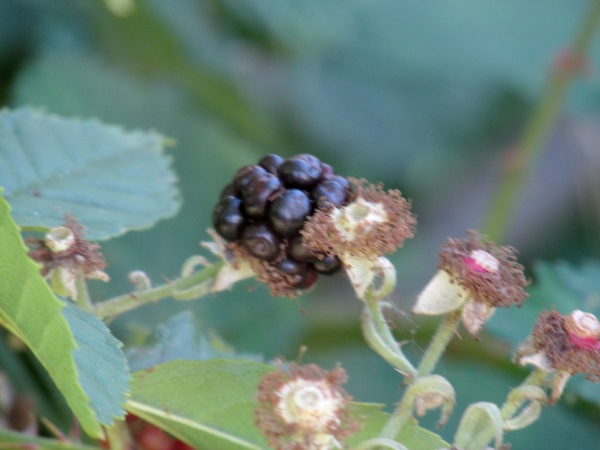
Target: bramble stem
pixel 537 130
pixel 375 328
pixel 436 348
pixel 438 343
pixel 535 378
pixel 199 282
pixel 83 299
pixel 401 415
pixel 374 334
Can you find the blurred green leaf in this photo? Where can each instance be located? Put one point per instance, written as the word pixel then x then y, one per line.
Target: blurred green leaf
pixel 75 347
pixel 210 405
pixel 180 338
pixel 14 440
pixel 409 81
pixel 111 181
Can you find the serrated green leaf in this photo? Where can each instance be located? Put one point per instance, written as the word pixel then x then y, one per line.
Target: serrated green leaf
pixel 209 404
pixel 110 180
pixel 102 369
pixel 75 347
pixel 180 338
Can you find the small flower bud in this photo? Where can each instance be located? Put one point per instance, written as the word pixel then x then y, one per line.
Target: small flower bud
pixel 304 408
pixel 140 280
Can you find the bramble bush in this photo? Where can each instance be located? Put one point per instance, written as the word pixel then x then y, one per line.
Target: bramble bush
pixel 71 186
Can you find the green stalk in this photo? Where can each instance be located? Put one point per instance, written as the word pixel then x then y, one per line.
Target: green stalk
pixel 535 378
pixel 438 343
pixel 536 132
pixel 198 283
pixel 83 299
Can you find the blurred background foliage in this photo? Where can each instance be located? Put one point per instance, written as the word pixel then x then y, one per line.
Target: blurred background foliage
pixel 427 97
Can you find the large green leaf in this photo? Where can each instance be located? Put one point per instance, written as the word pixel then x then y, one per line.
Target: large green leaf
pixel 180 337
pixel 210 404
pixel 110 180
pixel 75 347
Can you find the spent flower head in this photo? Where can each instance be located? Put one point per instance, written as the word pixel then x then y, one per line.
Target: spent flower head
pixel 304 408
pixel 374 223
pixel 477 276
pixel 565 344
pixel 66 255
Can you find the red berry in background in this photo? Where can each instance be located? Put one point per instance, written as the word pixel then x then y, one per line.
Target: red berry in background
pixel 151 437
pixel 180 445
pixel 131 418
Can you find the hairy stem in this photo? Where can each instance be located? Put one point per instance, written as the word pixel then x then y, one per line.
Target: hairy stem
pixel 374 335
pixel 199 283
pixel 83 299
pixel 401 415
pixel 535 378
pixel 438 343
pixel 537 129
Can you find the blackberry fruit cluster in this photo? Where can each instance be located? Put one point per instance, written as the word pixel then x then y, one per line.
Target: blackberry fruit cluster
pixel 266 205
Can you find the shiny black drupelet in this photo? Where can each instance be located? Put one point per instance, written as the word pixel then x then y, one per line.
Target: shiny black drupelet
pixel 266 205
